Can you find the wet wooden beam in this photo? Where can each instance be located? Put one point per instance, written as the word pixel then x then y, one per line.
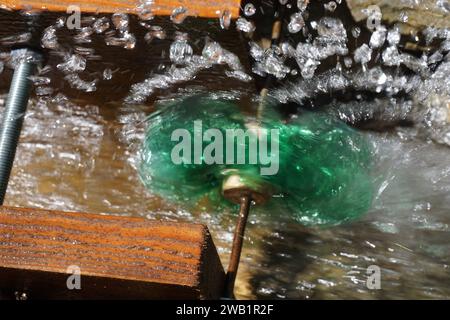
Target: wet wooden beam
pixel 118 257
pixel 196 8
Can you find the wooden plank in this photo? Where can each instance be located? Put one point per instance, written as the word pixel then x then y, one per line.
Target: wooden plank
pixel 118 257
pixel 199 8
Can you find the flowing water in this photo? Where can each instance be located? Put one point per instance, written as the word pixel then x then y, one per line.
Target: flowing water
pixel 80 153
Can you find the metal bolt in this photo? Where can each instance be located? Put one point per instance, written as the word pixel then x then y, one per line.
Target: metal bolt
pixel 14 113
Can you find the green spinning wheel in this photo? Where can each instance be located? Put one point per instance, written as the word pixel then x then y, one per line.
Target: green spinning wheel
pixel 319 168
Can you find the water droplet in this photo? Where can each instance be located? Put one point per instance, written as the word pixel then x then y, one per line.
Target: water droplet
pixel 393 36
pixel 76 82
pixel 332 29
pixel 178 15
pixel 21 295
pixel 363 54
pixel 377 76
pixel 296 23
pixel 156 32
pixel 391 56
pixel 146 15
pixel 49 39
pixel 435 57
pixel 238 74
pixel 127 40
pixel 249 9
pixel 302 4
pixel 101 25
pixel 244 25
pixel 120 21
pixel 107 74
pixel 180 51
pixel 60 22
pixel 72 64
pixel 268 62
pixel 330 6
pixel 378 37
pixel 83 35
pixel 225 19
pixel 356 31
pixel 38 81
pixel 348 62
pixel 309 68
pixel 403 16
pixel 145 11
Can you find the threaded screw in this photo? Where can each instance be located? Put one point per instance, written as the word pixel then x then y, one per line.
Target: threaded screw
pixel 14 114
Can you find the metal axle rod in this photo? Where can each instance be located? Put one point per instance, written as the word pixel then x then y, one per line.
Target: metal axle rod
pixel 237 246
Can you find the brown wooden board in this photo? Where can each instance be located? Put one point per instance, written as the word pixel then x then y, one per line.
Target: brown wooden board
pixel 118 257
pixel 196 8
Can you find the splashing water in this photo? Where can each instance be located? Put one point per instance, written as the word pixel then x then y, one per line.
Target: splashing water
pixel 181 53
pixel 382 79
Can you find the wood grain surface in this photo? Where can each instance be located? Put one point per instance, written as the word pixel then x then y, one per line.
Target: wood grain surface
pixel 199 8
pixel 119 257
